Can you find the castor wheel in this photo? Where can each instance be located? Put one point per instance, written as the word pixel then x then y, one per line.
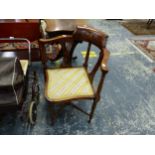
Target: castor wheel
pixel 32 113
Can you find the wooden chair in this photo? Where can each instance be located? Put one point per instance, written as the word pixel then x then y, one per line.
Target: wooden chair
pixel 66 84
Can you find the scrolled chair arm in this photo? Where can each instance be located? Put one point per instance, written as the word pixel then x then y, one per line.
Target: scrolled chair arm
pixel 57 39
pixel 106 55
pixel 104 69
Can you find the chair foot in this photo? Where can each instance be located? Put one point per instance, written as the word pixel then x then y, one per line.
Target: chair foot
pixel 52 123
pixel 53 118
pixel 74 58
pixel 92 111
pixel 89 121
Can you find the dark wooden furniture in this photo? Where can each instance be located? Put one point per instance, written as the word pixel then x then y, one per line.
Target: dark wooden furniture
pixel 20 28
pixel 57 27
pixel 66 84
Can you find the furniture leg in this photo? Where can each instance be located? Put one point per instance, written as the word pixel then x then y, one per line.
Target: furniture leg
pixel 149 23
pixel 92 110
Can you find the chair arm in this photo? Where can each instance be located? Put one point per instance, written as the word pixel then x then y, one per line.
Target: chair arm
pixel 106 55
pixel 104 69
pixel 57 39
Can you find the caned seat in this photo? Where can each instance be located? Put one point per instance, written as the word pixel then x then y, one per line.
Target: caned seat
pixel 68 83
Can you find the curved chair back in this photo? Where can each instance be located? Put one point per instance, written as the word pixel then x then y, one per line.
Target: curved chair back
pixel 93 37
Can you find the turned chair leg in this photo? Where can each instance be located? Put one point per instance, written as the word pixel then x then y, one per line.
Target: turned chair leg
pixel 149 23
pixel 92 110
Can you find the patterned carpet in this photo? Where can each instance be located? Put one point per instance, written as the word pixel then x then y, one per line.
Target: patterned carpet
pixel 146 45
pixel 127 103
pixel 139 27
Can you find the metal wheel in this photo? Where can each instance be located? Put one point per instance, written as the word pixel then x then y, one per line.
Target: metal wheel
pixel 32 113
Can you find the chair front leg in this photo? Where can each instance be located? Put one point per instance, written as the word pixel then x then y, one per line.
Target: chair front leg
pixel 53 114
pixel 97 98
pixel 92 110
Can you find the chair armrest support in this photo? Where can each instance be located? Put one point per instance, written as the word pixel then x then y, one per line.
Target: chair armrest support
pixel 106 55
pixel 104 69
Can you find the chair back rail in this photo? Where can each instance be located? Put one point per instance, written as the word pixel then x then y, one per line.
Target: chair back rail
pixel 57 40
pixel 93 37
pixel 87 56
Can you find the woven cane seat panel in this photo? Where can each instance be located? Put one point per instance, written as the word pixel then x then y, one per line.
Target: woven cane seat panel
pixel 68 83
